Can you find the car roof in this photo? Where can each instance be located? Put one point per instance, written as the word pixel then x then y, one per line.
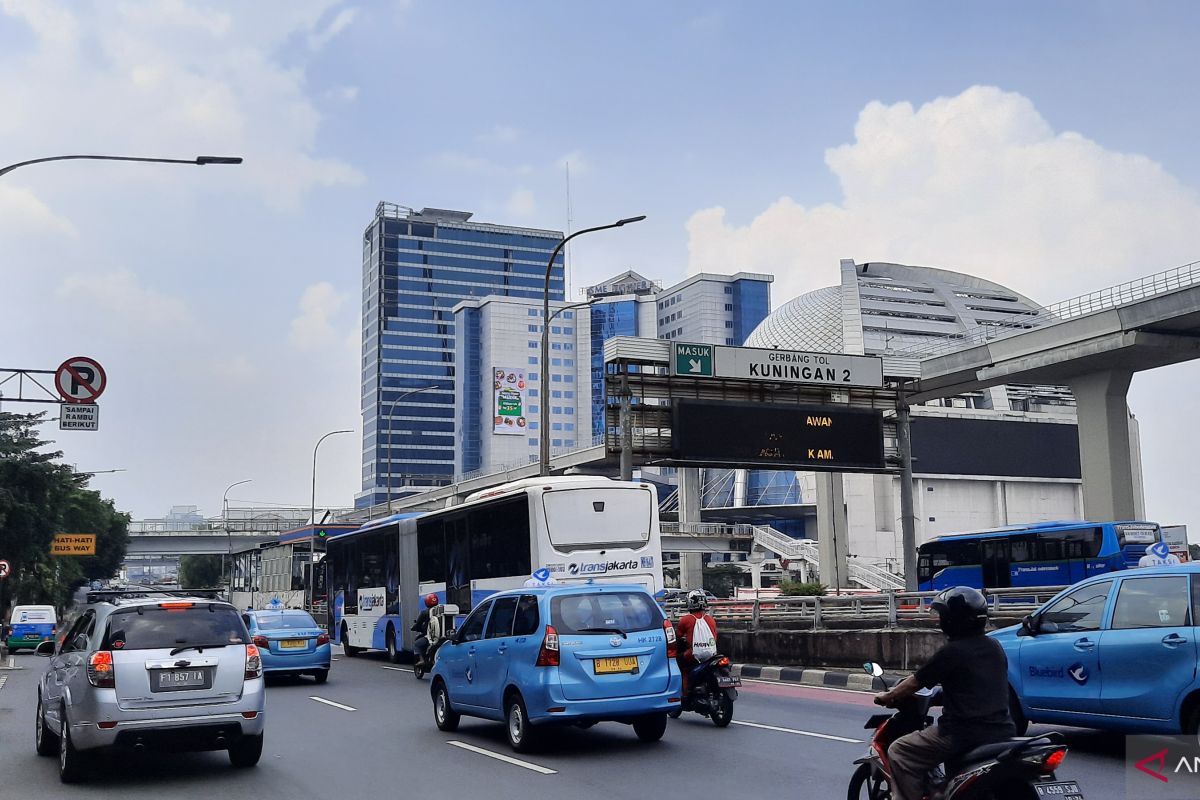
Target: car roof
pixel 287 611
pixel 571 588
pixel 1189 568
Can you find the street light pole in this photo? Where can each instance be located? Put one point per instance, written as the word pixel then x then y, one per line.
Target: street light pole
pixel 199 161
pixel 312 541
pixel 228 536
pixel 544 418
pixel 388 460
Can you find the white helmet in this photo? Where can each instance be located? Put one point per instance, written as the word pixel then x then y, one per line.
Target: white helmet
pixel 696 601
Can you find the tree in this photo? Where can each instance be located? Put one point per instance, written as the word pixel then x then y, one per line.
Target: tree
pixel 200 572
pixel 720 579
pixel 1194 551
pixel 39 497
pixel 800 589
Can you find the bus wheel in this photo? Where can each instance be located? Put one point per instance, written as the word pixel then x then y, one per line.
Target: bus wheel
pixel 350 650
pixel 392 653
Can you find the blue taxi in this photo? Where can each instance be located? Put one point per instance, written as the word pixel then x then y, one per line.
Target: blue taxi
pixel 290 642
pixel 572 654
pixel 1117 651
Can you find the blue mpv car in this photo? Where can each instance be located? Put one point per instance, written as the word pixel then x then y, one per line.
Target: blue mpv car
pixel 1116 651
pixel 290 642
pixel 578 654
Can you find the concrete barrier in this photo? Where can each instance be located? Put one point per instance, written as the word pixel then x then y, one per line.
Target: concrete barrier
pixel 895 649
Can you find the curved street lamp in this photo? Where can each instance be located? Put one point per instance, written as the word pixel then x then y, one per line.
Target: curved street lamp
pixel 544 433
pixel 392 408
pixel 199 161
pixel 225 522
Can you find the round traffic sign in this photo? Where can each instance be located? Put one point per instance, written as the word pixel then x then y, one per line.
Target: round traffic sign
pixel 5 568
pixel 80 380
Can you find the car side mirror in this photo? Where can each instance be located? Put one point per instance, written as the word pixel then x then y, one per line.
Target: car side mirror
pixel 46 648
pixel 1028 626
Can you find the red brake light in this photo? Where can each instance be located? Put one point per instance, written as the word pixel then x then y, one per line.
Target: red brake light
pixel 100 670
pixel 261 641
pixel 175 606
pixel 253 662
pixel 723 662
pixel 322 639
pixel 669 633
pixel 1054 760
pixel 548 655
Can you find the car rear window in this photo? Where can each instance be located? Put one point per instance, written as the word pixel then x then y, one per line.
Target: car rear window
pixel 157 628
pixel 623 611
pixel 273 622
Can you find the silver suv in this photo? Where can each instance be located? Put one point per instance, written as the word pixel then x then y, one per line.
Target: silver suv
pixel 151 670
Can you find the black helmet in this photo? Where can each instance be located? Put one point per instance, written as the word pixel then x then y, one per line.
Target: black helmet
pixel 696 601
pixel 961 611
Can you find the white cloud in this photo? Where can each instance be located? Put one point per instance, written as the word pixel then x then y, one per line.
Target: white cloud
pixel 123 303
pixel 21 211
pixel 318 39
pixel 521 204
pixel 465 162
pixel 978 183
pixel 313 329
pixel 499 134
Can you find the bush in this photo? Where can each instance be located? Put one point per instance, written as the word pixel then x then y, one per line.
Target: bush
pixel 799 589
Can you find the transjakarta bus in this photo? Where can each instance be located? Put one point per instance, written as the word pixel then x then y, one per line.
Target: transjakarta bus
pixel 578 527
pixel 1039 554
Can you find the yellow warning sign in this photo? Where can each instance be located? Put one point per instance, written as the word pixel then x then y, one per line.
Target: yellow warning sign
pixel 73 544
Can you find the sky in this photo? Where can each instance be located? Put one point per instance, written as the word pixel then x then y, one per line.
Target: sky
pixel 1047 146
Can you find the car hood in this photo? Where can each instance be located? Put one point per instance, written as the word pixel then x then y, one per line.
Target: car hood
pixel 1006 636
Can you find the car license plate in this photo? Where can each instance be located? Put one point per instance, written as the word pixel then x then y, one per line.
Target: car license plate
pixel 727 681
pixel 293 644
pixel 174 680
pixel 612 666
pixel 1064 790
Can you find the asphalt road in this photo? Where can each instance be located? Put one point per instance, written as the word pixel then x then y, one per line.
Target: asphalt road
pixel 374 737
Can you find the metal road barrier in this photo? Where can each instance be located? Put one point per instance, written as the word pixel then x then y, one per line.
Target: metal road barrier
pixel 890 609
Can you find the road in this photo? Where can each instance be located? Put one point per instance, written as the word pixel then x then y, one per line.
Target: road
pixel 374 737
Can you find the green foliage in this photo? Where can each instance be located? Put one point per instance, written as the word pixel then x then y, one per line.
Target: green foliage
pixel 200 572
pixel 39 497
pixel 721 579
pixel 801 589
pixel 1194 551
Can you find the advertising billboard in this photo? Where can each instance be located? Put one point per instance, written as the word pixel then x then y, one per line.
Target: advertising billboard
pixel 508 410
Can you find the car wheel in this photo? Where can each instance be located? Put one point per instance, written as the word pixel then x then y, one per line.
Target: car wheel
pixel 722 712
pixel 651 727
pixel 321 675
pixel 1018 716
pixel 350 651
pixel 521 735
pixel 246 751
pixel 70 760
pixel 392 653
pixel 443 714
pixel 44 739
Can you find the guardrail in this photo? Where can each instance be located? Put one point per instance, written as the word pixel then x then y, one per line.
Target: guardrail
pixel 890 609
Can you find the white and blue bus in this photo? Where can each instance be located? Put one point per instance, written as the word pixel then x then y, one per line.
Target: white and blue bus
pixel 578 527
pixel 1038 554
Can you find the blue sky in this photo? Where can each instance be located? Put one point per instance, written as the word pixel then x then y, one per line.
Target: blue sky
pixel 1049 146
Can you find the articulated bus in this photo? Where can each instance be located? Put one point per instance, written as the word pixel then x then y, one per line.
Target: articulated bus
pixel 1038 554
pixel 578 527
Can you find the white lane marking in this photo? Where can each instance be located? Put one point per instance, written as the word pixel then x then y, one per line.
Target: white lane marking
pixel 516 762
pixel 798 733
pixel 808 686
pixel 331 703
pixel 397 669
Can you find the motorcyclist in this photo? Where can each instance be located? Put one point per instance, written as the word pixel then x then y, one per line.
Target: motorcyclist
pixel 685 630
pixel 421 627
pixel 973 672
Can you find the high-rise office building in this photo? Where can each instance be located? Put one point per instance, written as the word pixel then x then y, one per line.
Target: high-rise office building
pixel 417 265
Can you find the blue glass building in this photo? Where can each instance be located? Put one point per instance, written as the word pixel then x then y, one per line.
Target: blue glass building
pixel 417 265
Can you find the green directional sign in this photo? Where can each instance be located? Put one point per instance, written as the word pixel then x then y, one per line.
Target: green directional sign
pixel 695 360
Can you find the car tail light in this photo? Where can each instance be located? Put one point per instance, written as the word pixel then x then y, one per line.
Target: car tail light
pixel 262 642
pixel 322 639
pixel 177 606
pixel 100 670
pixel 253 662
pixel 672 643
pixel 548 655
pixel 1053 761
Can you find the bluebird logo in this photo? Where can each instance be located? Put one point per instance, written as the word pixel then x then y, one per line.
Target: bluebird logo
pixel 1078 673
pixel 1159 549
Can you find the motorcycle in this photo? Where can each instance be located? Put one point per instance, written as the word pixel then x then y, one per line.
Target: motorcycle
pixel 712 688
pixel 441 628
pixel 1015 769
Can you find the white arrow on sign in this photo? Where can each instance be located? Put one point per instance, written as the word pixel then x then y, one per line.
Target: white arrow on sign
pixel 4 569
pixel 693 365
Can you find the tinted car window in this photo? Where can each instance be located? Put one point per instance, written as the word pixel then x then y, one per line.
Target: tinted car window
pixel 273 622
pixel 526 623
pixel 472 629
pixel 501 622
pixel 1152 603
pixel 625 611
pixel 1081 610
pixel 157 628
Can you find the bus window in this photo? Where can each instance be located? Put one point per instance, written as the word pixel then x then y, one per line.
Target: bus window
pixel 431 552
pixel 500 540
pixel 942 555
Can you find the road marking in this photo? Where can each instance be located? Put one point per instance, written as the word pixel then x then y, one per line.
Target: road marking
pixel 3 680
pixel 331 703
pixel 798 733
pixel 398 669
pixel 516 762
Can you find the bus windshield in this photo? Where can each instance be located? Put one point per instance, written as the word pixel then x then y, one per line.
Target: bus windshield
pixel 590 519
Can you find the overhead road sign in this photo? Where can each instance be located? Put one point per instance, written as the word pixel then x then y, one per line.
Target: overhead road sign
pixel 823 438
pixel 79 417
pixel 775 366
pixel 73 544
pixel 695 360
pixel 80 380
